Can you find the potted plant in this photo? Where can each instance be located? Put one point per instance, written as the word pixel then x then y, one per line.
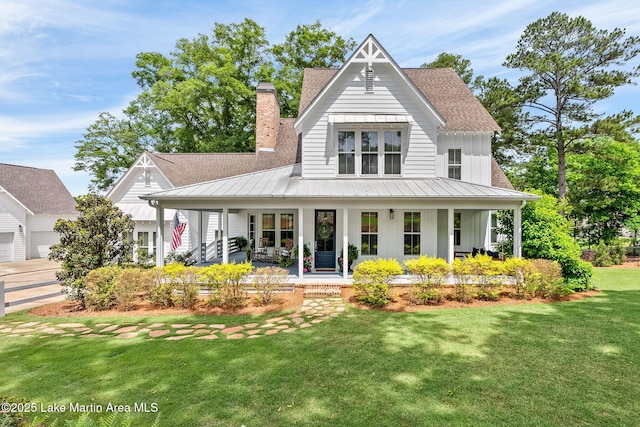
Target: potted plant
pixel 352 252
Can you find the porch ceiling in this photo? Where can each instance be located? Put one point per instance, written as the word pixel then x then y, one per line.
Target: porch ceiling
pixel 286 183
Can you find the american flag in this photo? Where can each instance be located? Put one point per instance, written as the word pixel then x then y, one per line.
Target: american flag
pixel 178 228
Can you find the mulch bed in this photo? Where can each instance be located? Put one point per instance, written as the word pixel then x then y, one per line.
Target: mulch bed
pixel 284 301
pixel 401 302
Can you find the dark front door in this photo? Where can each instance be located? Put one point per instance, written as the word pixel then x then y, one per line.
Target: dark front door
pixel 325 239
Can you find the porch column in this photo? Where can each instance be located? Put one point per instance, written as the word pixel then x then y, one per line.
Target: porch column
pixel 345 243
pixel 300 243
pixel 450 240
pixel 517 232
pixel 160 242
pixel 225 235
pixel 200 260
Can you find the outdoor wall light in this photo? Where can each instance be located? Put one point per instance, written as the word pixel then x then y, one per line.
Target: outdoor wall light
pixel 20 228
pixel 392 214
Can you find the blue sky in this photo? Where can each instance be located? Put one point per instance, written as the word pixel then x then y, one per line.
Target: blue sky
pixel 62 62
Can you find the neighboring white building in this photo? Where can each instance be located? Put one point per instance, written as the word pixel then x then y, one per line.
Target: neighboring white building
pixel 396 161
pixel 31 201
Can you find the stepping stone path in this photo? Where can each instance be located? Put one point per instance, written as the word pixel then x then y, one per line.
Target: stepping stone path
pixel 312 312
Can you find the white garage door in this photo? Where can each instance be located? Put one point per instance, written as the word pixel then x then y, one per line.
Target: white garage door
pixel 6 247
pixel 41 241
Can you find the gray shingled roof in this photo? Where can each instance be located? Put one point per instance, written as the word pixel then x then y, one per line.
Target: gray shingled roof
pixel 442 87
pixel 191 168
pixel 39 190
pixel 498 177
pixel 285 182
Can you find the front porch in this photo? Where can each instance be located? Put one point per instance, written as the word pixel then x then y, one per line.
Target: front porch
pixel 293 278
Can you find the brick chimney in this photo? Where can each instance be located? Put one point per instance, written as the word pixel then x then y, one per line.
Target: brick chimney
pixel 267 117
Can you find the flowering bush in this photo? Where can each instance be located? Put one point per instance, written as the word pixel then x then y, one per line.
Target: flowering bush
pixel 307 263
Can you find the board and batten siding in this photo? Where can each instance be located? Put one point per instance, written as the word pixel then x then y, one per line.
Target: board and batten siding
pixel 476 155
pixel 12 215
pixel 390 97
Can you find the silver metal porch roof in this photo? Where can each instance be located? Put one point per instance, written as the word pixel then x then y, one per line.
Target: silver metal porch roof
pixel 286 182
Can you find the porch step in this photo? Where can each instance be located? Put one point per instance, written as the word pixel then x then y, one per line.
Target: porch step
pixel 321 290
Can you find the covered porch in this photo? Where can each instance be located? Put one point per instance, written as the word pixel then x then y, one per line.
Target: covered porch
pixel 389 218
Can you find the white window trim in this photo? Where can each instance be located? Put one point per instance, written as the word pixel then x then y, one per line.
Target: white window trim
pixel 447 165
pixel 358 129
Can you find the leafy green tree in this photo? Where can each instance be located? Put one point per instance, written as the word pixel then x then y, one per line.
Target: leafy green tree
pixel 605 187
pixel 97 238
pixel 201 97
pixel 547 234
pixel 308 46
pixel 570 66
pixel 501 100
pixel 461 66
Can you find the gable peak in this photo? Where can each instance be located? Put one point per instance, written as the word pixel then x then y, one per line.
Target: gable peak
pixel 370 52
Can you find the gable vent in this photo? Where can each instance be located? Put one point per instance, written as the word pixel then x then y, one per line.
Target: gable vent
pixel 368 80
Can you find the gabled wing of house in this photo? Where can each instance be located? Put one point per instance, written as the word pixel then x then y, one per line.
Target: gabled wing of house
pixel 31 200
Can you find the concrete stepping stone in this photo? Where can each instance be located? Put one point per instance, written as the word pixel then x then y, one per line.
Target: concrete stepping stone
pixel 290 330
pixel 128 335
pixel 254 331
pixel 85 329
pixel 6 330
pixel 199 326
pixel 71 325
pixel 29 324
pixel 181 325
pixel 23 330
pixel 66 335
pixel 281 327
pixel 271 331
pixel 124 330
pixel 232 330
pixel 155 325
pixel 110 328
pixel 250 325
pixel 317 321
pixel 268 325
pixel 284 321
pixel 274 320
pixel 297 320
pixel 92 336
pixel 305 325
pixel 102 325
pixel 217 326
pixel 201 331
pixel 235 336
pixel 254 336
pixel 208 337
pixel 158 333
pixel 184 331
pixel 176 338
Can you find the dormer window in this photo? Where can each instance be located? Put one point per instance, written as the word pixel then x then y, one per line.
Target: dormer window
pixel 368 80
pixel 369 151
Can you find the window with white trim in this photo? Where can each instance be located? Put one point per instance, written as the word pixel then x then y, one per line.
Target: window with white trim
pixel 361 153
pixel 455 163
pixel 457 228
pixel 269 228
pixel 346 152
pixel 412 233
pixel 369 233
pixel 369 149
pixel 392 152
pixel 286 228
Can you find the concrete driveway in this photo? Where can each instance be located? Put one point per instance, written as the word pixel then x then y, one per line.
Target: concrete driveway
pixel 30 284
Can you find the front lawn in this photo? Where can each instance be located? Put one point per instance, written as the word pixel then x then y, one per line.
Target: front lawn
pixel 571 363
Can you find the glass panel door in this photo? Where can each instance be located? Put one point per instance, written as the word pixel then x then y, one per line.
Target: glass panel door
pixel 325 239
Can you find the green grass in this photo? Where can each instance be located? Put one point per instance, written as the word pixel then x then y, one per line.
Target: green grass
pixel 567 364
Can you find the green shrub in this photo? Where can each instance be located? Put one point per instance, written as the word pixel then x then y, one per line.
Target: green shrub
pixel 488 276
pixel 130 284
pixel 226 283
pixel 266 281
pixel 428 275
pixel 602 256
pixel 184 282
pixel 162 293
pixel 548 279
pixel 577 274
pixel 523 272
pixel 99 288
pixel 463 282
pixel 371 280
